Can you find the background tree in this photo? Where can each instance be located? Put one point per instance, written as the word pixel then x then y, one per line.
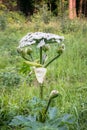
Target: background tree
pixel 57 7
pixel 80 8
pixel 84 7
pixel 72 9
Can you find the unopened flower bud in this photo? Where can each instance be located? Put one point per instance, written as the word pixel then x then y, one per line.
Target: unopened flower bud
pixel 19 50
pixel 61 49
pixel 28 51
pixel 46 47
pixel 54 94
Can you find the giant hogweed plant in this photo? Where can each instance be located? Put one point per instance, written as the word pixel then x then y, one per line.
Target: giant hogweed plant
pixel 40 59
pixel 44 117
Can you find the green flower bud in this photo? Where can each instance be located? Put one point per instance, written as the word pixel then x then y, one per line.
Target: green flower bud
pixel 61 49
pixel 19 50
pixel 28 51
pixel 22 53
pixel 46 47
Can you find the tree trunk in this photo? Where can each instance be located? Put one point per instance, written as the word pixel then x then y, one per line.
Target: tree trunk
pixel 85 8
pixel 0 1
pixel 80 8
pixel 72 9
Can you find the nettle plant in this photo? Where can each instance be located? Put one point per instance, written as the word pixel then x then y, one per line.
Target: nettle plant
pixel 34 49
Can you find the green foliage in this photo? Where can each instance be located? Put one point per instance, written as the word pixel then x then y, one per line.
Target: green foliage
pixel 10 4
pixel 2 7
pixel 30 123
pixel 53 121
pixel 15 17
pixel 56 7
pixel 68 25
pixel 45 14
pixel 3 22
pixel 25 69
pixel 82 119
pixel 9 79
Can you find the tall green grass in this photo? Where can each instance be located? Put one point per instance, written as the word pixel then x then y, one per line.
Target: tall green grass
pixel 68 74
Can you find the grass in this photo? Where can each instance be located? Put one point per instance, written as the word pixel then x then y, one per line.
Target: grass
pixel 67 74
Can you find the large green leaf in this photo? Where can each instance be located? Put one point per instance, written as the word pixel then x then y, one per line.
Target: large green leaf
pixel 52 112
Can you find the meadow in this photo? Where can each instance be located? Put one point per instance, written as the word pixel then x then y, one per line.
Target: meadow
pixel 68 74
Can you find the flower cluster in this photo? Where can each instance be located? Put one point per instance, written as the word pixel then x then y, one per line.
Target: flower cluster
pixel 40 39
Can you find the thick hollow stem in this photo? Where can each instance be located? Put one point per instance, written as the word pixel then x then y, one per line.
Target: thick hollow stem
pixel 40 55
pixel 41 91
pixel 52 60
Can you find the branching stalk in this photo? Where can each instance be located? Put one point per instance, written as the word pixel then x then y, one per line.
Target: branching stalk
pixel 48 106
pixel 25 58
pixel 51 60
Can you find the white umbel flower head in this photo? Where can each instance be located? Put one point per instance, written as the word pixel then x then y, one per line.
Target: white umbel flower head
pixel 40 74
pixel 40 39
